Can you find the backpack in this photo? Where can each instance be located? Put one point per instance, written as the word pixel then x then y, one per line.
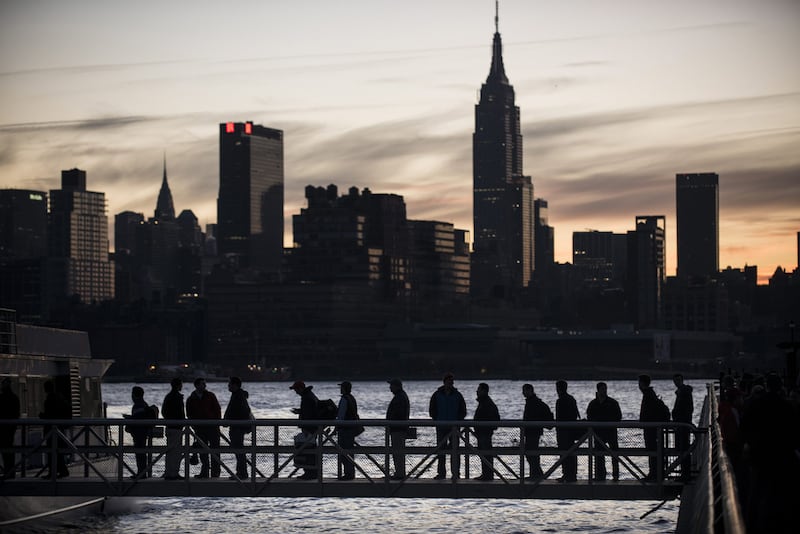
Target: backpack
pixel 326 409
pixel 151 412
pixel 663 410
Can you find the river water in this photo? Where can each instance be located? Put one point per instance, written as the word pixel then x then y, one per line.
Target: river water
pixel 286 515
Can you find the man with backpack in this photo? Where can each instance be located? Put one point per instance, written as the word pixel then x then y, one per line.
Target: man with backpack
pixel 140 433
pixel 652 410
pixel 307 437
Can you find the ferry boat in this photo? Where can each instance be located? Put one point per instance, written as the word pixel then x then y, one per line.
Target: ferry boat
pixel 30 356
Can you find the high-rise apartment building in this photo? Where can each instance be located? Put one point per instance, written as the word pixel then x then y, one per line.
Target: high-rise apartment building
pixel 647 270
pixel 23 224
pixel 503 211
pixel 697 211
pixel 78 241
pixel 250 202
pixel 600 257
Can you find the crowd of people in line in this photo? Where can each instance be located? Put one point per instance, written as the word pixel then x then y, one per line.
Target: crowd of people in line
pixel 760 425
pixel 446 404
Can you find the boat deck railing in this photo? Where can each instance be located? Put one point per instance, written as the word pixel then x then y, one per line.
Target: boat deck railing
pixel 102 459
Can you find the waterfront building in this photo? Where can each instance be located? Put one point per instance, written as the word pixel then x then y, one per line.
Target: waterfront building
pixel 599 258
pixel 78 263
pixel 503 210
pixel 250 201
pixel 697 211
pixel 646 270
pixel 696 304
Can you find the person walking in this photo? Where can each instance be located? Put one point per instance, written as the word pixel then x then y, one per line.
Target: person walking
pixel 682 413
pixel 447 404
pixel 535 410
pixel 139 433
pixel 307 410
pixel 566 410
pixel 399 410
pixel 605 409
pixel 172 408
pixel 238 410
pixel 9 409
pixel 486 411
pixel 55 407
pixel 652 410
pixel 203 404
pixel 348 411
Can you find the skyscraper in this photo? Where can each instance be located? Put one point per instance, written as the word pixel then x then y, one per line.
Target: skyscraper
pixel 502 260
pixel 697 210
pixel 250 202
pixel 23 224
pixel 647 270
pixel 78 241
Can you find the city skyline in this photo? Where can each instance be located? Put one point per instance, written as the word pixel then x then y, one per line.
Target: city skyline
pixel 616 98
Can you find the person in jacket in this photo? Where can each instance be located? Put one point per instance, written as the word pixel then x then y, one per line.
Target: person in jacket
pixel 348 411
pixel 238 410
pixel 55 407
pixel 139 433
pixel 172 408
pixel 535 410
pixel 649 412
pixel 203 404
pixel 9 409
pixel 605 409
pixel 306 411
pixel 447 404
pixel 399 410
pixel 486 411
pixel 566 410
pixel 682 413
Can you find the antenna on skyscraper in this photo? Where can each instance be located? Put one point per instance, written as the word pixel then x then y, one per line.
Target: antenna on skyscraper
pixel 496 16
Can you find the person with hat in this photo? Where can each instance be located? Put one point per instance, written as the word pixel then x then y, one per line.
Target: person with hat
pixel 399 410
pixel 348 411
pixel 307 410
pixel 447 404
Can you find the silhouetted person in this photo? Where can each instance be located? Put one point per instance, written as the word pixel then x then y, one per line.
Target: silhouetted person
pixel 348 411
pixel 604 408
pixel 535 410
pixel 307 410
pixel 238 410
pixel 203 404
pixel 566 410
pixel 682 413
pixel 139 433
pixel 447 404
pixel 651 411
pixel 399 410
pixel 9 409
pixel 486 411
pixel 770 432
pixel 55 407
pixel 172 408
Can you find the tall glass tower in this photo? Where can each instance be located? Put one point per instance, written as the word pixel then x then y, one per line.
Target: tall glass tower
pixel 502 259
pixel 250 202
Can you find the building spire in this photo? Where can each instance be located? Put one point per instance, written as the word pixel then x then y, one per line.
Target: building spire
pixel 165 209
pixel 497 73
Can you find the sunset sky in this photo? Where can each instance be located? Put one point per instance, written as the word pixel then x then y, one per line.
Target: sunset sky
pixel 616 97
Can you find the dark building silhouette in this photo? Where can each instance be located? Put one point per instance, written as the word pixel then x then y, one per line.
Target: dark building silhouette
pixel 600 258
pixel 250 202
pixel 544 240
pixel 646 270
pixel 165 209
pixel 503 211
pixel 78 263
pixel 697 210
pixel 695 304
pixel 23 248
pixel 439 263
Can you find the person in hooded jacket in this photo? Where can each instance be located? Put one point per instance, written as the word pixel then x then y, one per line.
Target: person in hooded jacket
pixel 203 404
pixel 535 410
pixel 682 413
pixel 238 410
pixel 447 404
pixel 486 411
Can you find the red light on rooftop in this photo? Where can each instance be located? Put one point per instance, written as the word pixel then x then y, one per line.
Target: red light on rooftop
pixel 248 128
pixel 230 127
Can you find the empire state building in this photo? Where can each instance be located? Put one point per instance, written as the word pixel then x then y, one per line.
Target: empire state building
pixel 502 259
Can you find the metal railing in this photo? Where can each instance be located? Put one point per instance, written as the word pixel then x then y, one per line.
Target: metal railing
pixel 102 451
